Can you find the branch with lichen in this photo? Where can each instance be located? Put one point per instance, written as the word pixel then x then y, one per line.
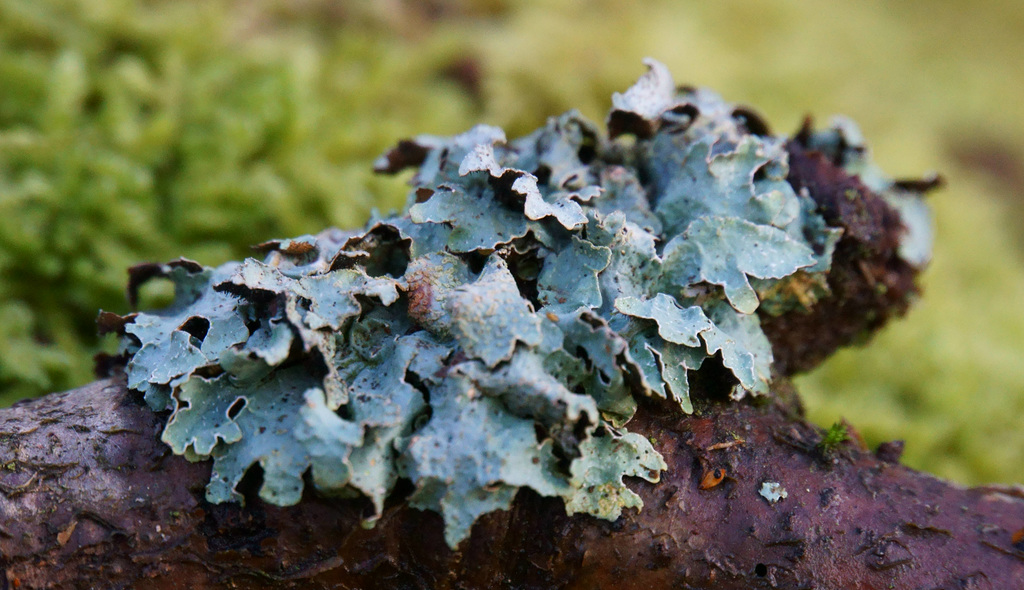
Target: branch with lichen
pixel 569 332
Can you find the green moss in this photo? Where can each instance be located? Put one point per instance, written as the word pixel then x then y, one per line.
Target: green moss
pixel 834 436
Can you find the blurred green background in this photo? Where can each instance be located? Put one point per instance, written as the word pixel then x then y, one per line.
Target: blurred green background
pixel 146 130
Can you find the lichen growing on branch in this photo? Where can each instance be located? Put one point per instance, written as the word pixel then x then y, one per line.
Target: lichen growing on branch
pixel 499 334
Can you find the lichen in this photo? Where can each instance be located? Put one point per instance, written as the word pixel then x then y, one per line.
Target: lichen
pixel 773 492
pixel 499 335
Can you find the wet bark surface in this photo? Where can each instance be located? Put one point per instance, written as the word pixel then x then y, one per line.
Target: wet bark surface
pixel 90 498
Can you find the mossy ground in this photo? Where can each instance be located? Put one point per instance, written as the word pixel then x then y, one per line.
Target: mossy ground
pixel 134 131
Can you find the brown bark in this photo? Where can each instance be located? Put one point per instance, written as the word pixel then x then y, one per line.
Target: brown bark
pixel 90 498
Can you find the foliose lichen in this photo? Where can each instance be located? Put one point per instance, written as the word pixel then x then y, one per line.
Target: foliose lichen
pixel 499 334
pixel 773 492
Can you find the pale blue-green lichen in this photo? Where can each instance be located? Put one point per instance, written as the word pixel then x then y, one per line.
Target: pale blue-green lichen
pixel 498 336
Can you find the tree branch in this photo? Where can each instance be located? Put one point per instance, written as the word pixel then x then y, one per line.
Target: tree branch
pixel 90 498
